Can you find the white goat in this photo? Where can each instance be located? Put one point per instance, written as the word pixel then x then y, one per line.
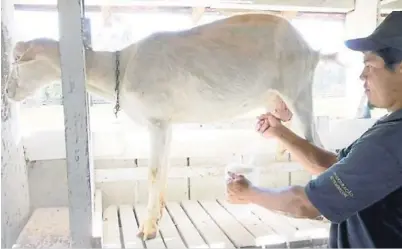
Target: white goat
pixel 212 72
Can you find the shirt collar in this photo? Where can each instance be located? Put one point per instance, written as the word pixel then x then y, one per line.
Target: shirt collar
pixel 391 117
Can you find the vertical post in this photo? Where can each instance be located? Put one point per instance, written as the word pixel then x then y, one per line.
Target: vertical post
pixel 76 122
pixel 358 23
pixel 15 201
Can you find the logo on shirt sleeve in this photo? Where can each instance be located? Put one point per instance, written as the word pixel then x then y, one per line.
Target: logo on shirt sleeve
pixel 340 186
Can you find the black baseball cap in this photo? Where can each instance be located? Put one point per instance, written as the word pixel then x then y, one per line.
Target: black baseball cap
pixel 387 35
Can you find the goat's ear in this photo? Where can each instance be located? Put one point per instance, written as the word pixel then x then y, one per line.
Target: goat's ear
pixel 26 51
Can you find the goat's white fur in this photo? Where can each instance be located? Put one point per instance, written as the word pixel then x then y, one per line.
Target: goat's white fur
pixel 208 73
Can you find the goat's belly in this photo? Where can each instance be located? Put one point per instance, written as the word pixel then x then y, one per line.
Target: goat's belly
pixel 205 111
pixel 210 113
pixel 187 112
pixel 218 107
pixel 190 106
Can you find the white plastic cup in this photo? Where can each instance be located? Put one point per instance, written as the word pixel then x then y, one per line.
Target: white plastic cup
pixel 249 171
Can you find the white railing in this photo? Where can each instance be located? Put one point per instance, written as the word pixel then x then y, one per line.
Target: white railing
pixel 43 135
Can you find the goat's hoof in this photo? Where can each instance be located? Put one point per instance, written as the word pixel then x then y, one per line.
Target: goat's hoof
pixel 148 230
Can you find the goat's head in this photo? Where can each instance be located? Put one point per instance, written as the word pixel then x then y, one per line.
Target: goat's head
pixel 36 64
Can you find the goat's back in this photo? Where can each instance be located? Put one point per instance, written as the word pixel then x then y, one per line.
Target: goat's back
pixel 216 70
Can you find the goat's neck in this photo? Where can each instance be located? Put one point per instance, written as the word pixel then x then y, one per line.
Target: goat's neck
pixel 101 73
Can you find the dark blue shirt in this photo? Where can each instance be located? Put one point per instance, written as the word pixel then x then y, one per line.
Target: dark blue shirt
pixel 362 193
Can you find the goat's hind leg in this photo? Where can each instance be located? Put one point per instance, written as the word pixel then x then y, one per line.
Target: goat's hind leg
pixel 283 111
pixel 160 139
pixel 303 112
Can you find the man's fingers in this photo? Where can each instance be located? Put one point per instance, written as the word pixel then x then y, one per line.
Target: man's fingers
pixel 258 125
pixel 264 116
pixel 264 126
pixel 231 174
pixel 268 116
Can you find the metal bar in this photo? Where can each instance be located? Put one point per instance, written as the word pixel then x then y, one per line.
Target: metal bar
pixel 76 121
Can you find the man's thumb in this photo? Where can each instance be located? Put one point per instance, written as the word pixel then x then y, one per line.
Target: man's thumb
pixel 273 118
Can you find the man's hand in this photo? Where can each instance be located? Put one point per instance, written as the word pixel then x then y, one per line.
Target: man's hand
pixel 269 126
pixel 239 189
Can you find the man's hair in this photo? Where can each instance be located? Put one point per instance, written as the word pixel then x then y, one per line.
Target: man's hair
pixel 391 56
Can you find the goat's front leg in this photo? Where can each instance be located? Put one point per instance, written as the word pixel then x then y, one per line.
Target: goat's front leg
pixel 160 139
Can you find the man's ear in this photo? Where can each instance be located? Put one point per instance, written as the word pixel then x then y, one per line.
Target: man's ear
pixel 399 68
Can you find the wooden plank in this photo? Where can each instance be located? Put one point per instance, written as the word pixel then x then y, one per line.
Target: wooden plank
pixel 77 130
pixel 173 162
pixel 111 232
pixel 188 231
pixel 129 228
pixel 305 231
pixel 306 227
pixel 320 235
pixel 141 173
pixel 114 163
pixel 169 232
pixel 157 242
pixel 264 234
pixel 277 222
pixel 230 226
pixel 212 234
pixel 98 221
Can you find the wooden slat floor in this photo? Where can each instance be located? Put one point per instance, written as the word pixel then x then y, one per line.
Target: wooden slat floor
pixel 212 224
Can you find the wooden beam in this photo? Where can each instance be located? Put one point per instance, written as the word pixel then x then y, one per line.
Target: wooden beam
pixel 180 172
pixel 76 122
pixel 277 5
pixel 179 10
pixel 289 14
pixel 388 6
pixel 384 2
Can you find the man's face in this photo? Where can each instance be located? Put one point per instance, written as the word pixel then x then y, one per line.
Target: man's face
pixel 382 85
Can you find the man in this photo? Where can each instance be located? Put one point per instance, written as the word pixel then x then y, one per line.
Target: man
pixel 360 189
